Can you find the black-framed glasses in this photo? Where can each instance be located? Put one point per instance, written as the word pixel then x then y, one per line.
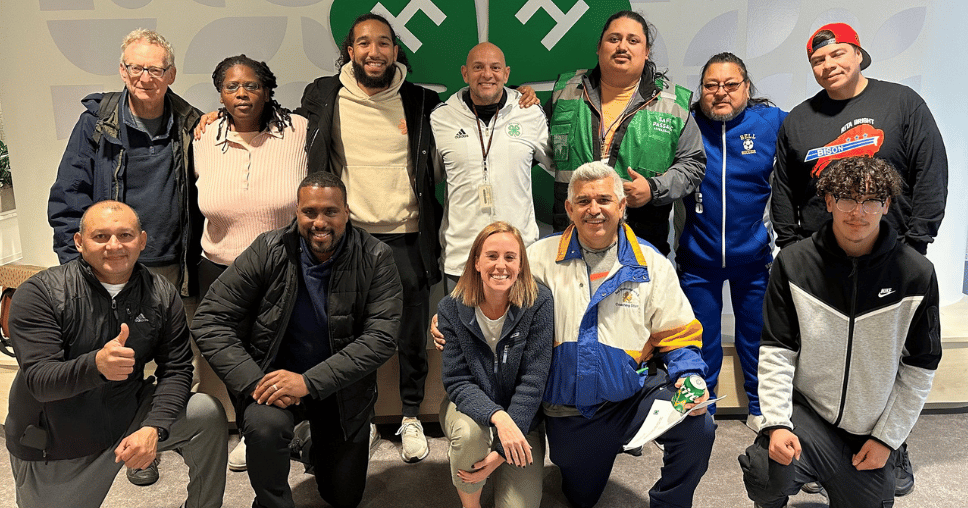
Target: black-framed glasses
pixel 730 87
pixel 233 87
pixel 135 71
pixel 848 205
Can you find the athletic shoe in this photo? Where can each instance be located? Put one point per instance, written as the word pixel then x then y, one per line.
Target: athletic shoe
pixel 146 476
pixel 903 473
pixel 415 447
pixel 812 488
pixel 237 457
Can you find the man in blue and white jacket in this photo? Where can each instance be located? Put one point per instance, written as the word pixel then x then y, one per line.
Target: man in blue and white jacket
pixel 726 234
pixel 625 336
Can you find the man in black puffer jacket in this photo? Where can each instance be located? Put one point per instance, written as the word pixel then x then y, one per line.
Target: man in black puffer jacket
pixel 297 327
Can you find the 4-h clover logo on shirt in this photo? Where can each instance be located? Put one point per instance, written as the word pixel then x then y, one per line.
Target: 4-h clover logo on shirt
pixel 514 130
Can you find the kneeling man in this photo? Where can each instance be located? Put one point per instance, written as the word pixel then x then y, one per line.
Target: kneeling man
pixel 851 340
pixel 80 406
pixel 297 327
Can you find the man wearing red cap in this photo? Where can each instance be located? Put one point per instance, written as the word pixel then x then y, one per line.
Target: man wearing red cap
pixel 858 116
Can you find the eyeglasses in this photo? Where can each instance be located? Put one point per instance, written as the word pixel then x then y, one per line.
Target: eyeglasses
pixel 135 71
pixel 848 205
pixel 730 87
pixel 233 87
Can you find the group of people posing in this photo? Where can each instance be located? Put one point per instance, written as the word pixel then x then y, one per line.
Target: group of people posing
pixel 312 238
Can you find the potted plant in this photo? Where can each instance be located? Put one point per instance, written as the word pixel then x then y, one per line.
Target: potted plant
pixel 7 202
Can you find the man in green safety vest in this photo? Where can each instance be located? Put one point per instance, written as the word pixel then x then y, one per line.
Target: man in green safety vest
pixel 624 113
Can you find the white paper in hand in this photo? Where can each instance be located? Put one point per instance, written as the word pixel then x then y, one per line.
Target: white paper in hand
pixel 662 417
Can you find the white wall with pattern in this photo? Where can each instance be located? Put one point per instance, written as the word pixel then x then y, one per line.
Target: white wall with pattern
pixel 53 52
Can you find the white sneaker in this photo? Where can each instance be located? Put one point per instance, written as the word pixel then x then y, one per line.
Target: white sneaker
pixel 755 422
pixel 415 446
pixel 237 457
pixel 374 437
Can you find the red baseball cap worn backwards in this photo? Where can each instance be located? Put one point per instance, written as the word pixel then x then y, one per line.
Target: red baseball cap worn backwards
pixel 843 33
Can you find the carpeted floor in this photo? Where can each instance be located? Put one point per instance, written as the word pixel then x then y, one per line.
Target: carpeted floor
pixel 939 451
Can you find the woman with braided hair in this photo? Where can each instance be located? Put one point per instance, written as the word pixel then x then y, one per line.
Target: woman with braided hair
pixel 247 166
pixel 247 169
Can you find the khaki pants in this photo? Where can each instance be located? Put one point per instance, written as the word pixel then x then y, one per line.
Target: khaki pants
pixel 514 487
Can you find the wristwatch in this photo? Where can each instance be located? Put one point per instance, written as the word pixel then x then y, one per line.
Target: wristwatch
pixel 162 434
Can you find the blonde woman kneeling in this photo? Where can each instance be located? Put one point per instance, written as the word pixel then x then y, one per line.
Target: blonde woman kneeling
pixel 498 324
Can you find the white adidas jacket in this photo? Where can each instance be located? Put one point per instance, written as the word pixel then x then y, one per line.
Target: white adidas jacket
pixel 520 137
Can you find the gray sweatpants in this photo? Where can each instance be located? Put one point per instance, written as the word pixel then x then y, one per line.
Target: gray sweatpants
pixel 198 434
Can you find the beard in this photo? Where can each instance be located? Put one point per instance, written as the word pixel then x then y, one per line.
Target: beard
pixel 725 117
pixel 378 82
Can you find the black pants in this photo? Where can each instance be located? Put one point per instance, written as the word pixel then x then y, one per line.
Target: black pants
pixel 825 458
pixel 651 223
pixel 208 271
pixel 412 339
pixel 585 448
pixel 340 464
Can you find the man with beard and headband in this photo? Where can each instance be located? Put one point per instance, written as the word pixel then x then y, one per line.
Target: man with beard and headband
pixel 371 128
pixel 726 236
pixel 296 327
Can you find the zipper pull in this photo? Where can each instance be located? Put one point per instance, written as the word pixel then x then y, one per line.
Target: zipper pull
pixel 504 357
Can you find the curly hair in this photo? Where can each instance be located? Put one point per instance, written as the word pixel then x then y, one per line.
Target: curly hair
pixel 858 176
pixel 273 115
pixel 344 48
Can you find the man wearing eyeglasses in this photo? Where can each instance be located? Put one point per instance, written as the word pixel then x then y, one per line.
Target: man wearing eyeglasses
pixel 133 146
pixel 855 115
pixel 851 341
pixel 726 236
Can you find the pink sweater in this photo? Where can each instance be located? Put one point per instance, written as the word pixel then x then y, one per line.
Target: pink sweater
pixel 245 189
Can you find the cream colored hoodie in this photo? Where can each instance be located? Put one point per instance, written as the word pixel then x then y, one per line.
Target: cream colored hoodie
pixel 371 154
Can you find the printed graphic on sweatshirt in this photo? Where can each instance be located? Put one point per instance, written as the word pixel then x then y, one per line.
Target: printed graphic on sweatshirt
pixel 748 142
pixel 860 138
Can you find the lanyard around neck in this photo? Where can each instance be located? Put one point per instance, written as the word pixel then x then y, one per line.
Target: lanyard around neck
pixel 480 137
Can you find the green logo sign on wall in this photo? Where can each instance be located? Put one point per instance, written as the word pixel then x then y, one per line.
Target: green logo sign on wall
pixel 436 34
pixel 544 38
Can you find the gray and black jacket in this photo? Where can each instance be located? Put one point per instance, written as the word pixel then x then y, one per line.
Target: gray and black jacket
pixel 858 338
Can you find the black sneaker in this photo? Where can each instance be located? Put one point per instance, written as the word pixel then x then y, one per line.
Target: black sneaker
pixel 903 473
pixel 812 488
pixel 146 476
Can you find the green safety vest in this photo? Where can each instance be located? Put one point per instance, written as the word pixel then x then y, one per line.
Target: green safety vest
pixel 651 134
